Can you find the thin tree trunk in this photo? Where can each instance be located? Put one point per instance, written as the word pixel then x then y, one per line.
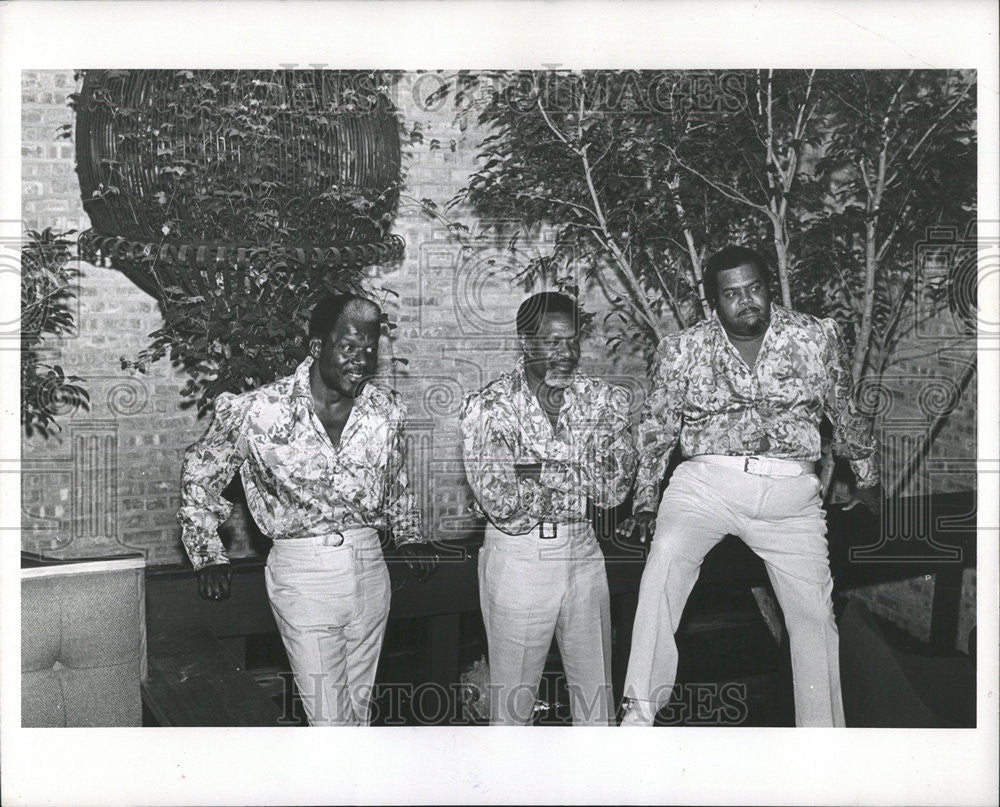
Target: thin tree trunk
pixel 623 264
pixel 867 306
pixel 696 271
pixel 781 250
pixel 624 267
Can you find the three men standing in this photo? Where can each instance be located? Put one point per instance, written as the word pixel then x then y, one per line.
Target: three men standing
pixel 543 445
pixel 321 456
pixel 743 392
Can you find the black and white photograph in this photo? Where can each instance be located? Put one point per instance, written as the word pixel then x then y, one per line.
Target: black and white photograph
pixel 390 421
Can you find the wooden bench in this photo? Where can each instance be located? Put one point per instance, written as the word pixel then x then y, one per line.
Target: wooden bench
pixel 174 609
pixel 194 681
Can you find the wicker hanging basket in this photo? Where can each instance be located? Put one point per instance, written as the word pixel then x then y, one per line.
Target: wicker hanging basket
pixel 198 179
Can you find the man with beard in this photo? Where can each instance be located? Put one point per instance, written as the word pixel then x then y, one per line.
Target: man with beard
pixel 744 393
pixel 321 457
pixel 544 444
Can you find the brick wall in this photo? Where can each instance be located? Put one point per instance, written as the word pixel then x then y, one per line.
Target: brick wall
pixel 455 328
pixel 110 479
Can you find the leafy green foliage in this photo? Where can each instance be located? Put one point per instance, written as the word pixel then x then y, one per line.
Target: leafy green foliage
pixel 238 339
pixel 47 280
pixel 899 159
pixel 251 157
pixel 643 174
pixel 591 154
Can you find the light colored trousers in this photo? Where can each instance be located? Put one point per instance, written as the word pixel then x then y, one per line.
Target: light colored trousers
pixel 530 589
pixel 781 520
pixel 331 604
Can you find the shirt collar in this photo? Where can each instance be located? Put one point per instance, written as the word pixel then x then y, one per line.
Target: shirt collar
pixel 779 317
pixel 301 387
pixel 300 384
pixel 576 387
pixel 522 376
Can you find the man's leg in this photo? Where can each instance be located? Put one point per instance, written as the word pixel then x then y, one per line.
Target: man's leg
pixel 520 596
pixel 583 632
pixel 312 597
pixel 790 537
pixel 692 518
pixel 365 633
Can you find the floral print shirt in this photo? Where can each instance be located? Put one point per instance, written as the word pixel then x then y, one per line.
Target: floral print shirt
pixel 703 394
pixel 590 454
pixel 297 483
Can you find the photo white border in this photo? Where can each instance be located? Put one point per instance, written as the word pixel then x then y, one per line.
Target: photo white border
pixel 478 765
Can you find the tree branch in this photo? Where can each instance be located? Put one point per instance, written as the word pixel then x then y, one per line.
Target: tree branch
pixel 612 246
pixel 727 191
pixel 696 272
pixel 604 236
pixel 554 128
pixel 801 120
pixel 940 119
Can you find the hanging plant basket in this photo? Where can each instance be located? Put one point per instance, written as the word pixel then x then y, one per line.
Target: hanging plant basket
pixel 215 170
pixel 200 269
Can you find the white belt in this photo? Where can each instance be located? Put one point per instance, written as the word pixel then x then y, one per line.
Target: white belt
pixel 350 535
pixel 552 529
pixel 760 466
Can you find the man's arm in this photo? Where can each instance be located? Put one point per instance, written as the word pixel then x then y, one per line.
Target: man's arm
pixel 853 438
pixel 400 506
pixel 658 432
pixel 659 422
pixel 398 503
pixel 511 500
pixel 607 463
pixel 209 465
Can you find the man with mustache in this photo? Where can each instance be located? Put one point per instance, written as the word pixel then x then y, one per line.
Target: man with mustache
pixel 321 457
pixel 743 392
pixel 543 445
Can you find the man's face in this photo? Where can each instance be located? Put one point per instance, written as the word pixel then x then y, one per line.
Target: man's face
pixel 554 351
pixel 744 306
pixel 347 357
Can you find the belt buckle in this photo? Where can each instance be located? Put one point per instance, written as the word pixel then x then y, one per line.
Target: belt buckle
pixel 546 529
pixel 754 465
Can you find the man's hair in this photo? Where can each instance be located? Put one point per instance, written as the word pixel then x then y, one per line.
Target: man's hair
pixel 327 312
pixel 730 258
pixel 533 310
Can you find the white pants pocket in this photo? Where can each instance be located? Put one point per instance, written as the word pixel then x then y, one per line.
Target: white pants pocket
pixel 314 589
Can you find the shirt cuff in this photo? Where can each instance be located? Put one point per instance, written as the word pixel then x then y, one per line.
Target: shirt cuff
pixel 644 499
pixel 408 538
pixel 555 476
pixel 535 499
pixel 207 557
pixel 557 451
pixel 865 472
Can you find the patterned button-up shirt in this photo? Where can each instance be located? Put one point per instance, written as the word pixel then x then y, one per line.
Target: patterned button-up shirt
pixel 297 483
pixel 705 395
pixel 590 454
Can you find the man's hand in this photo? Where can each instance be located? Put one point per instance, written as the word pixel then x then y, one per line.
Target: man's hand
pixel 640 524
pixel 870 497
pixel 421 559
pixel 528 470
pixel 214 581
